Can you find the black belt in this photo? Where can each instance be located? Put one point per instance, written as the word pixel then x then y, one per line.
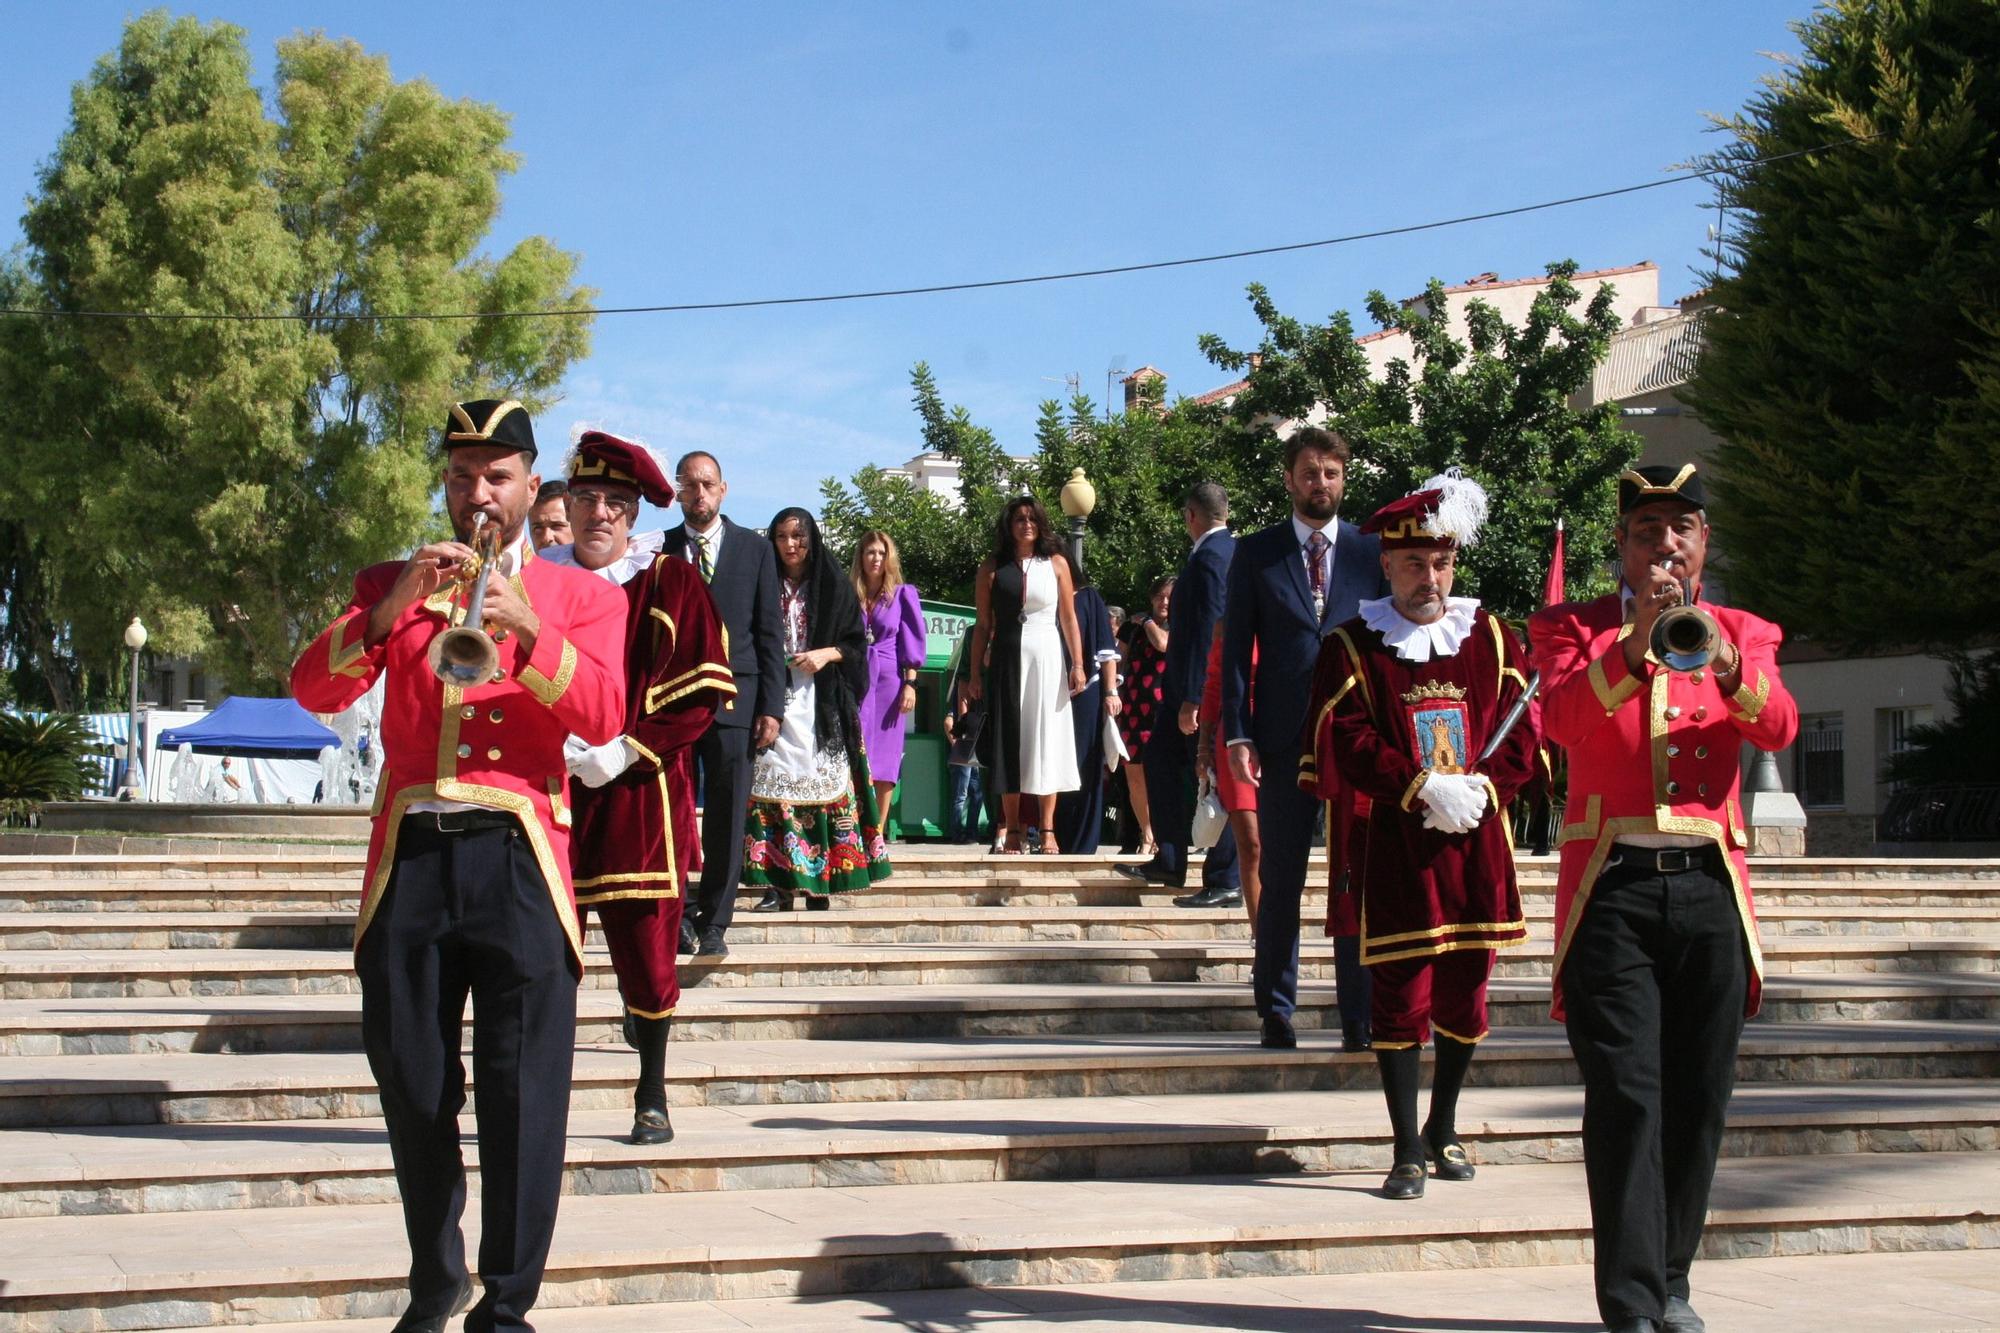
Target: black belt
pixel 458 821
pixel 1663 860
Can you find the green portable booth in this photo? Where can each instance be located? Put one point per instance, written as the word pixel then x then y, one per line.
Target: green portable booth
pixel 918 807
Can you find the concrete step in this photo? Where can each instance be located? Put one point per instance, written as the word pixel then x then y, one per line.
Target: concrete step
pixel 861 922
pixel 110 974
pixel 252 1024
pixel 73 1090
pixel 916 897
pixel 268 1265
pixel 314 1163
pixel 1932 1291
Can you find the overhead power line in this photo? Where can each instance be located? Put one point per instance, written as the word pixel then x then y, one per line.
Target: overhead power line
pixel 1677 178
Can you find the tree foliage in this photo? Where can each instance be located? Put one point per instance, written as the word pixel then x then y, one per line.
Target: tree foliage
pixel 1854 368
pixel 1961 749
pixel 1497 404
pixel 42 759
pixel 223 478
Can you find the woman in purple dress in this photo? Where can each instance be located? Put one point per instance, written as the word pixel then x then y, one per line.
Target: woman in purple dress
pixel 895 622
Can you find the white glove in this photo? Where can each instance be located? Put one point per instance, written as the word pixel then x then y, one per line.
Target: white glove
pixel 1454 801
pixel 595 765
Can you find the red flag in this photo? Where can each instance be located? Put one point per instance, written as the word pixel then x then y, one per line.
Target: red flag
pixel 1552 583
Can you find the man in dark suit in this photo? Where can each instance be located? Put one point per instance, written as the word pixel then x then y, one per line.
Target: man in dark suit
pixel 1290 584
pixel 1170 754
pixel 742 576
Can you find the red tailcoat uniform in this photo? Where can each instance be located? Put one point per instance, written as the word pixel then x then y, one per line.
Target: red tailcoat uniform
pixel 499 745
pixel 635 838
pixel 1384 724
pixel 1655 753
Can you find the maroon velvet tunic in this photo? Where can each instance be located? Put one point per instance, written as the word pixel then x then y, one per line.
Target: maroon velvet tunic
pixel 635 836
pixel 1383 724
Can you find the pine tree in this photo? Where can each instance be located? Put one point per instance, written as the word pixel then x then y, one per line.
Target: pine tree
pixel 1853 369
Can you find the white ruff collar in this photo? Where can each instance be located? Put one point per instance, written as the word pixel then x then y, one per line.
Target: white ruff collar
pixel 1420 643
pixel 639 552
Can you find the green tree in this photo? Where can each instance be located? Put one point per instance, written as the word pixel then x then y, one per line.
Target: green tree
pixel 42 759
pixel 941 542
pixel 224 477
pixel 1497 404
pixel 1853 368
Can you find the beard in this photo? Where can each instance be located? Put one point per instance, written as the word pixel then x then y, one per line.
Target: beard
pixel 1317 508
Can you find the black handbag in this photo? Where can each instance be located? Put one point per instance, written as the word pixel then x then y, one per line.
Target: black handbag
pixel 965 735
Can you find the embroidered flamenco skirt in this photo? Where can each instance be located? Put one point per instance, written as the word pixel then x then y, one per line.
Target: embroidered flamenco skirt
pixel 812 824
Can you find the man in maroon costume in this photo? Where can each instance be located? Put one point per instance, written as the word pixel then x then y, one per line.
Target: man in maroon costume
pixel 635 838
pixel 1406 697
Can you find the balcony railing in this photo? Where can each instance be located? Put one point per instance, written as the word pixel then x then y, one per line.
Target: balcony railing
pixel 1964 813
pixel 1649 358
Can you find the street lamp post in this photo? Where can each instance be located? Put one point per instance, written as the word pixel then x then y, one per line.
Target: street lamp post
pixel 135 639
pixel 1078 498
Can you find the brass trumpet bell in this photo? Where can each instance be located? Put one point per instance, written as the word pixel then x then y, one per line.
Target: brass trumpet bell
pixel 1685 637
pixel 466 655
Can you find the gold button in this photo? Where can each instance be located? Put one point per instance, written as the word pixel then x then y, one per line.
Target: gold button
pixel 465 752
pixel 494 716
pixel 468 712
pixel 1673 711
pixel 1696 676
pixel 493 753
pixel 1673 789
pixel 1701 752
pixel 1701 713
pixel 1673 752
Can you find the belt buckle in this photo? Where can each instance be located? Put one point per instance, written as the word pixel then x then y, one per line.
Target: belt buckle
pixel 1674 860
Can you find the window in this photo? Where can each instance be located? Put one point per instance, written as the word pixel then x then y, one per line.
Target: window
pixel 1818 762
pixel 1893 728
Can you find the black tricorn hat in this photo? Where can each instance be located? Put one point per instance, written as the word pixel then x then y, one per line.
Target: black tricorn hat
pixel 1643 485
pixel 490 421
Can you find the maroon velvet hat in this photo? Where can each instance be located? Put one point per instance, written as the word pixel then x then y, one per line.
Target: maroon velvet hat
pixel 1401 523
pixel 604 457
pixel 1444 515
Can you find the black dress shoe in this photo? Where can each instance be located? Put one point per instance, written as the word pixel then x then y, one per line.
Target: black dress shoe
pixel 1216 896
pixel 819 902
pixel 1405 1181
pixel 435 1323
pixel 1634 1326
pixel 1355 1039
pixel 1681 1318
pixel 774 900
pixel 1452 1161
pixel 1278 1034
pixel 650 1126
pixel 690 937
pixel 712 943
pixel 1152 872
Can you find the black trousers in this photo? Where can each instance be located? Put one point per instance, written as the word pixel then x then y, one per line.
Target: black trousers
pixel 469 914
pixel 1654 986
pixel 1169 762
pixel 726 764
pixel 1286 818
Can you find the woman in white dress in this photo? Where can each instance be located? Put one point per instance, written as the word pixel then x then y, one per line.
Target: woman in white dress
pixel 1028 640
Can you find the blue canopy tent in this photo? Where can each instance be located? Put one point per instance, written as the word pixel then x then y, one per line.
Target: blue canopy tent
pixel 264 728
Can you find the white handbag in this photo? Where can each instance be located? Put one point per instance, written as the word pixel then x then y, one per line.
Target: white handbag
pixel 1210 819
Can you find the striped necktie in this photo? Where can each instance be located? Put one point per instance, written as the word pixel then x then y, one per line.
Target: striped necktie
pixel 701 560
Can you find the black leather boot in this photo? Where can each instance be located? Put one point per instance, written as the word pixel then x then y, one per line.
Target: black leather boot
pixel 649 1121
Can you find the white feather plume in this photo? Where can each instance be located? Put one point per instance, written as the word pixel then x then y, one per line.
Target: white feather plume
pixel 581 428
pixel 1461 507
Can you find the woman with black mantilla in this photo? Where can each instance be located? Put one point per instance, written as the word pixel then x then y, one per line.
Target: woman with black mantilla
pixel 813 825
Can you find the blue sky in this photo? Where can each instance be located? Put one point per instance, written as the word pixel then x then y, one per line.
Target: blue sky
pixel 716 152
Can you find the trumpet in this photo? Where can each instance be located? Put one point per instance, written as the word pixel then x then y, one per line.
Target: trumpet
pixel 465 654
pixel 1685 637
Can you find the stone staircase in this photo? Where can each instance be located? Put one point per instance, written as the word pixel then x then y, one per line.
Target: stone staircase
pixel 1026 1076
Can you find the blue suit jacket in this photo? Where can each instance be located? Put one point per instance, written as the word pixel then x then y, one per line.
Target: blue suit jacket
pixel 1270 606
pixel 1199 596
